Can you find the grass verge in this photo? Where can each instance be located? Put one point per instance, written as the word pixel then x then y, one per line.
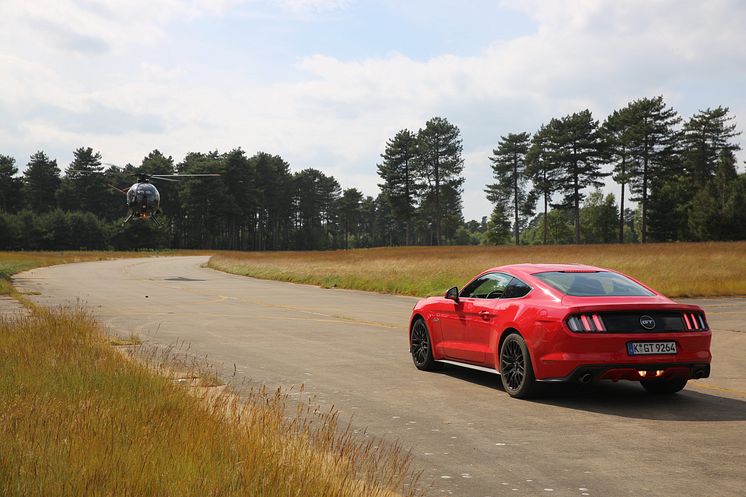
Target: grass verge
pixel 675 269
pixel 79 418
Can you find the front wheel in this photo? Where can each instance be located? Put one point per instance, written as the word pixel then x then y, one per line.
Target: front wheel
pixel 664 386
pixel 421 347
pixel 516 372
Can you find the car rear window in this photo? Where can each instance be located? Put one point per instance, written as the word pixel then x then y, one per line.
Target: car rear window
pixel 593 284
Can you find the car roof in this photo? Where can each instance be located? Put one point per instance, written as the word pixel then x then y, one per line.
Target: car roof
pixel 543 268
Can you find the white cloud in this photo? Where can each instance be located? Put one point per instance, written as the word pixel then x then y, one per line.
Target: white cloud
pixel 337 114
pixel 314 6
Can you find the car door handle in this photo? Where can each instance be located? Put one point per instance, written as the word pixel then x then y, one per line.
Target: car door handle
pixel 485 315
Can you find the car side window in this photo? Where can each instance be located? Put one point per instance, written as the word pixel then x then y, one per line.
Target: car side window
pixel 488 286
pixel 515 289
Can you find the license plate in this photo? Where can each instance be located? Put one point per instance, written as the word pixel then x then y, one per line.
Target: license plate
pixel 651 348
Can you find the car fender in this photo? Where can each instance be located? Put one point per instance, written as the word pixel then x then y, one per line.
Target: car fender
pixel 423 309
pixel 529 322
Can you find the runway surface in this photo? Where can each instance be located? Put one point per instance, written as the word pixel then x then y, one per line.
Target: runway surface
pixel 470 439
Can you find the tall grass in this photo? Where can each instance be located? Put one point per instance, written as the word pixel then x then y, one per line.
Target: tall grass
pixel 676 269
pixel 78 418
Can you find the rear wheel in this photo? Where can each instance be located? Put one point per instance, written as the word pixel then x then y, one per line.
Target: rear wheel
pixel 670 386
pixel 421 347
pixel 516 372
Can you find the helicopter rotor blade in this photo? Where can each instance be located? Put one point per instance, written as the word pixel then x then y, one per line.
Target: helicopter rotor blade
pixel 200 175
pixel 162 178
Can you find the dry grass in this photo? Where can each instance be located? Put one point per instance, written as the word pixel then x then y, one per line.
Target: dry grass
pixel 79 418
pixel 130 340
pixel 676 269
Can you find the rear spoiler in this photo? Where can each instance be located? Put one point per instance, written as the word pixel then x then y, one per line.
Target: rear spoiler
pixel 604 303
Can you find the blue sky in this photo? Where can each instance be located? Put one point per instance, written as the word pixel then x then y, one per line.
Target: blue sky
pixel 324 83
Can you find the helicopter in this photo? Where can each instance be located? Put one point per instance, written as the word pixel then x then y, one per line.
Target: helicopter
pixel 143 198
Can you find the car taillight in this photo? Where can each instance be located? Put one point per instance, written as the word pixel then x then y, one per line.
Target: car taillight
pixel 586 323
pixel 694 321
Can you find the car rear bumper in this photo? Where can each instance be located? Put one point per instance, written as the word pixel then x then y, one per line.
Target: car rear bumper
pixel 571 356
pixel 634 372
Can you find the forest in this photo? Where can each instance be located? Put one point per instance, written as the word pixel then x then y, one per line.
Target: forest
pixel 675 180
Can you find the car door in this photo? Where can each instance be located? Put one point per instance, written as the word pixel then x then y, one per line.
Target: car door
pixel 467 329
pixel 454 326
pixel 483 317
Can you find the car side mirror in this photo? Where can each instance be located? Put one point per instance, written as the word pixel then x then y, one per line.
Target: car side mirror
pixel 452 294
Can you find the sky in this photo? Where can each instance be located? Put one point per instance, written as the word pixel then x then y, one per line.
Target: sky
pixel 324 83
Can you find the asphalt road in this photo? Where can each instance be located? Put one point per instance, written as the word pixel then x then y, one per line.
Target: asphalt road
pixel 470 439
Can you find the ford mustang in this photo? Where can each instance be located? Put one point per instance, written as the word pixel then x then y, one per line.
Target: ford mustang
pixel 562 323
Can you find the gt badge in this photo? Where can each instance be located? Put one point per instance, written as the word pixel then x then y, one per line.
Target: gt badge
pixel 647 322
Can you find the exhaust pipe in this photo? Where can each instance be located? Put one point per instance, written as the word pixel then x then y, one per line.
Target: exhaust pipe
pixel 585 378
pixel 698 373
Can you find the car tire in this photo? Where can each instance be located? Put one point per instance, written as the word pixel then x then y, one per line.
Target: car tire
pixel 664 387
pixel 420 346
pixel 516 371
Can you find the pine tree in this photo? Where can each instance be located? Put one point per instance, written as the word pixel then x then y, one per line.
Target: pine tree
pixel 707 135
pixel 439 170
pixel 10 186
pixel 717 212
pixel 240 210
pixel 653 146
pixel 84 187
pixel 616 134
pixel 376 220
pixel 330 192
pixel 41 179
pixel 498 225
pixel 350 213
pixel 202 222
pixel 599 216
pixel 542 169
pixel 508 168
pixel 398 174
pixel 578 155
pixel 274 185
pixel 314 196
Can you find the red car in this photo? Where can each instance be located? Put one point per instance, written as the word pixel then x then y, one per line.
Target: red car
pixel 562 323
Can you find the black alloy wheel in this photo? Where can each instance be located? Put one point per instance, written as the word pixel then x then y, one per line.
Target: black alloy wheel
pixel 516 372
pixel 420 347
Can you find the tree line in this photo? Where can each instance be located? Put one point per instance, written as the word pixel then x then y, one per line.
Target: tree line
pixel 682 176
pixel 257 203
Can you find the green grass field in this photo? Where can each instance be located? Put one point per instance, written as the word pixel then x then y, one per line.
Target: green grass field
pixel 80 418
pixel 676 269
